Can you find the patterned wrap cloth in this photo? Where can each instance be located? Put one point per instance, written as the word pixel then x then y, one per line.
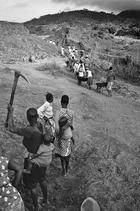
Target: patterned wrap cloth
pixel 10 199
pixel 64 146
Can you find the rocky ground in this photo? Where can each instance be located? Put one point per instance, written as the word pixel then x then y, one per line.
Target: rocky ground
pixel 105 161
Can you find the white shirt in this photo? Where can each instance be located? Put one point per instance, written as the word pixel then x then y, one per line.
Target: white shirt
pixel 81 68
pixel 81 74
pixel 76 67
pixel 45 110
pixel 89 73
pixel 45 157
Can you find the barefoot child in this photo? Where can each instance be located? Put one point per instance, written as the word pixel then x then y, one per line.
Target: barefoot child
pixel 64 143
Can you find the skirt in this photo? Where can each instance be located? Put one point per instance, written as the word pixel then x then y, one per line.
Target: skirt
pixel 63 148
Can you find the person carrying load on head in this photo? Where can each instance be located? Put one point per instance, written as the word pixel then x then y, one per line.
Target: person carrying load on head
pixel 110 81
pixel 45 113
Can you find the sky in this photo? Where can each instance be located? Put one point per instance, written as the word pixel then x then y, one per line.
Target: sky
pixel 24 10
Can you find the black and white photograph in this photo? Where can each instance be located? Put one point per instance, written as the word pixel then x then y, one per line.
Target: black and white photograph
pixel 70 105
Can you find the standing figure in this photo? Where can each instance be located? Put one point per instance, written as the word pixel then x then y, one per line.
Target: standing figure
pixel 32 139
pixel 89 78
pixel 81 72
pixel 110 81
pixel 76 66
pixel 45 113
pixel 64 127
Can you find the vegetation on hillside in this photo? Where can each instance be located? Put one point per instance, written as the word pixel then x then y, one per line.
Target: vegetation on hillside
pixel 105 163
pixel 17 44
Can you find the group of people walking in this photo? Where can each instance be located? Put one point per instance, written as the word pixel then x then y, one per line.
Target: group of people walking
pixel 45 135
pixel 83 73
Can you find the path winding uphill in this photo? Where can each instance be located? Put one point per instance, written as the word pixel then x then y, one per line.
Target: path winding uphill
pixel 106 156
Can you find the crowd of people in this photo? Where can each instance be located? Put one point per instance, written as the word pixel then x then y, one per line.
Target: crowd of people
pixel 80 66
pixel 45 137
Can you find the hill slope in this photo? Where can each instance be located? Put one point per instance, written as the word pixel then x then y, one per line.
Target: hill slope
pixel 106 38
pixel 69 16
pixel 105 162
pixel 134 14
pixel 16 43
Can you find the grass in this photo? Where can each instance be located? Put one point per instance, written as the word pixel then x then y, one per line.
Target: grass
pixel 51 68
pixel 17 44
pixel 54 69
pixel 110 174
pixel 129 72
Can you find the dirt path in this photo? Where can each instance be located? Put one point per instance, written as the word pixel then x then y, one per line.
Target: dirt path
pixel 97 118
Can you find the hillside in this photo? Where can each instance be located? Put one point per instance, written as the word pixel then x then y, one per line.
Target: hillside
pixel 105 161
pixel 82 15
pixel 122 21
pixel 17 44
pixel 70 16
pixel 107 39
pixel 133 14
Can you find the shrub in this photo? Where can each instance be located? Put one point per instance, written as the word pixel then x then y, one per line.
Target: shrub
pixel 129 71
pixel 51 68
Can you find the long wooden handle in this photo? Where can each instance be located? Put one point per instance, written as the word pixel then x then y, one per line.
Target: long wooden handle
pixel 12 96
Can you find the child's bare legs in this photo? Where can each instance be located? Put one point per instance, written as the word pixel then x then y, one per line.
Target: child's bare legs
pixel 38 176
pixel 43 185
pixel 67 159
pixel 73 140
pixel 63 164
pixel 110 93
pixel 35 198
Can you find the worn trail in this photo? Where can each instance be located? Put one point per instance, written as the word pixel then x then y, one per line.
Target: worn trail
pixel 97 118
